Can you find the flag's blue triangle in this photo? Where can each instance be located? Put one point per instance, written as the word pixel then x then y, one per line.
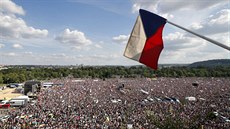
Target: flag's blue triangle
pixel 151 22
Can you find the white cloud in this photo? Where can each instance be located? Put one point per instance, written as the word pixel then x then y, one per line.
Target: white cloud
pixel 145 4
pixel 10 54
pixel 76 48
pixel 75 37
pixel 177 41
pixel 190 55
pixel 28 53
pixel 59 55
pixel 105 57
pixel 214 27
pixel 7 6
pixel 214 24
pixel 196 26
pixel 57 58
pixel 170 6
pixel 167 16
pixel 221 17
pixel 99 59
pixel 2 45
pixel 167 6
pixel 181 48
pixel 123 39
pixel 220 37
pixel 180 11
pixel 13 27
pixel 208 18
pixel 17 46
pixel 98 46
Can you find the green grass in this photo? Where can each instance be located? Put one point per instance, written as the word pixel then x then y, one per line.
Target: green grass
pixel 2 85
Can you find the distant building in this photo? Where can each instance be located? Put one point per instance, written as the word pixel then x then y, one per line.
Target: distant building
pixel 32 86
pixel 48 84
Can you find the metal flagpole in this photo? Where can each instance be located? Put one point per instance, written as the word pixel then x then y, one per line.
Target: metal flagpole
pixel 201 36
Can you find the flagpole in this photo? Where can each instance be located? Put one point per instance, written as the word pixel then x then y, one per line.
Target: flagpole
pixel 201 36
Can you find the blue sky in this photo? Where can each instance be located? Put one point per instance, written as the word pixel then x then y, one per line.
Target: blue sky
pixel 95 32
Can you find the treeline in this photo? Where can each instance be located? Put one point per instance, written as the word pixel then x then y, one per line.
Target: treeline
pixel 211 63
pixel 17 75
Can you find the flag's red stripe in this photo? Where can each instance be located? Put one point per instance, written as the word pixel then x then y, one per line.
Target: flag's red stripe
pixel 152 49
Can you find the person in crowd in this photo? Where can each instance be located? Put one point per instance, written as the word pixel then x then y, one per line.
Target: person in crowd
pixel 89 104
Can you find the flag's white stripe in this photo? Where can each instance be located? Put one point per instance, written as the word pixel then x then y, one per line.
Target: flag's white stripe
pixel 136 41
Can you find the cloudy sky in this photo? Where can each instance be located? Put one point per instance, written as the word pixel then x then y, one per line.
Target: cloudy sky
pixel 95 32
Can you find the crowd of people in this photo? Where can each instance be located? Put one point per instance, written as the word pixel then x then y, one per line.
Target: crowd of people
pixel 142 103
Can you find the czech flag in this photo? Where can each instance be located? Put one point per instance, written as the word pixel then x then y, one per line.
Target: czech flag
pixel 145 43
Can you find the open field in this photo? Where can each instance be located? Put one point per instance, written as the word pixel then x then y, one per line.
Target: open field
pixel 138 103
pixel 8 93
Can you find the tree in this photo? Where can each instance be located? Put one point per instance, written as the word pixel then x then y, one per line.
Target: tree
pixel 1 78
